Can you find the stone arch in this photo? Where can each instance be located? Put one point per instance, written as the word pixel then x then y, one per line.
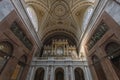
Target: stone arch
pixel 79 74
pixel 6 51
pixel 111 47
pixel 59 74
pixel 33 17
pixel 112 50
pixel 6 47
pixel 87 16
pixel 39 75
pixel 39 9
pixel 19 69
pixel 98 68
pixel 60 32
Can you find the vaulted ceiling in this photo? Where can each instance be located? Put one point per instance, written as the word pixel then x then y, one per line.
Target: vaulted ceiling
pixel 60 18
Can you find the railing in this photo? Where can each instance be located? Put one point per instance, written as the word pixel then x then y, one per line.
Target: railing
pixel 58 58
pixel 50 58
pixel 61 61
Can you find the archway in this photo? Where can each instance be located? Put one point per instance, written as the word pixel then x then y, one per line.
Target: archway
pixel 17 74
pixel 59 74
pixel 33 17
pixel 113 52
pixel 79 75
pixel 39 74
pixel 6 50
pixel 98 68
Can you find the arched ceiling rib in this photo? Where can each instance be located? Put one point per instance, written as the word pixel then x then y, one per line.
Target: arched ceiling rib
pixel 57 36
pixel 37 2
pixel 60 31
pixel 80 5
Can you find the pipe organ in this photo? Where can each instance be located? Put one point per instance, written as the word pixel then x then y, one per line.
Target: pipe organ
pixel 60 48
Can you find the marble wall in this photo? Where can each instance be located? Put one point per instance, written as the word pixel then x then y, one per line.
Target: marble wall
pixel 5 8
pixel 113 9
pixel 51 65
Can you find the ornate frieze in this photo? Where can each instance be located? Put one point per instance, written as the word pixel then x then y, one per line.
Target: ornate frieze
pixel 59 10
pixel 21 35
pixel 55 62
pixel 97 35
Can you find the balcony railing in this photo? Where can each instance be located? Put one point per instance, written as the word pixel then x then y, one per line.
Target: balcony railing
pixel 58 58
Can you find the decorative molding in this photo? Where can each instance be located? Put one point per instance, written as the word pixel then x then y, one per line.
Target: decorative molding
pixel 57 61
pixel 60 10
pixel 15 28
pixel 97 35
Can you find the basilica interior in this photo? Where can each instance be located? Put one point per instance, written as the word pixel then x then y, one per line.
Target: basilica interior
pixel 59 39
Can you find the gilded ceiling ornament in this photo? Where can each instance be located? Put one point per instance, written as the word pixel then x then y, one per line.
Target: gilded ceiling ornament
pixel 60 10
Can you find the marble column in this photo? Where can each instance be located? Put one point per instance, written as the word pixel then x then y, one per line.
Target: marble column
pixel 31 76
pixel 72 73
pixel 87 72
pixel 52 73
pixel 66 73
pixel 46 75
pixel 86 76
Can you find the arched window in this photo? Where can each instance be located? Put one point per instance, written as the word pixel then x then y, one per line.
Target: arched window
pixel 59 74
pixel 33 17
pixel 113 52
pixel 79 75
pixel 17 74
pixel 87 16
pixel 98 68
pixel 39 75
pixel 6 50
pixel 112 47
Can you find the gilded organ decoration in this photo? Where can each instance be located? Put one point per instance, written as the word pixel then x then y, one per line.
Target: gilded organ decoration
pixel 59 48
